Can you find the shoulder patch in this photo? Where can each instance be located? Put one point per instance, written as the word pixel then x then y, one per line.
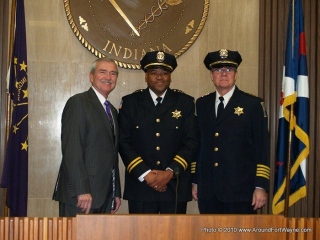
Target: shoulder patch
pixel 264 109
pixel 121 104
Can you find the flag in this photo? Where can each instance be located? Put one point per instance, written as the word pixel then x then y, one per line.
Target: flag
pixel 15 169
pixel 294 101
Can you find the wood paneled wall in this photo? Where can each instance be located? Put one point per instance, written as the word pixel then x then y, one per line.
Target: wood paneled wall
pixel 273 30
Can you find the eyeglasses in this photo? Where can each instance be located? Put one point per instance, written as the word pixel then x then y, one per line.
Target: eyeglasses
pixel 227 70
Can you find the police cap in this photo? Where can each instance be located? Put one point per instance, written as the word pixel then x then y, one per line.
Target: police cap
pixel 222 58
pixel 158 59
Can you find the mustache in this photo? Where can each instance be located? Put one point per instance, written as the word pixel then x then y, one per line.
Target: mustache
pixel 107 81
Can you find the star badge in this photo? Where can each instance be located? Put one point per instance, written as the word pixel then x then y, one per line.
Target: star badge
pixel 238 110
pixel 176 114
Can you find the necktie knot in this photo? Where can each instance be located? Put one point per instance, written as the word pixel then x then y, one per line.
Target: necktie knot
pixel 108 109
pixel 221 99
pixel 158 101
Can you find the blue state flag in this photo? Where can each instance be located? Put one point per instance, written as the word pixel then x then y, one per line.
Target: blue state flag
pixel 15 169
pixel 294 102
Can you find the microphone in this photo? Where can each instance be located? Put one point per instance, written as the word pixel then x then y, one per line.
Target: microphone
pixel 176 174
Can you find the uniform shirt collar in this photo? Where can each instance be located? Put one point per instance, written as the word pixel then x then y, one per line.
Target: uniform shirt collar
pixel 226 96
pixel 154 96
pixel 100 97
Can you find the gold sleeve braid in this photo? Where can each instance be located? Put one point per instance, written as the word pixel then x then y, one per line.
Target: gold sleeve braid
pixel 263 171
pixel 134 163
pixel 193 167
pixel 180 160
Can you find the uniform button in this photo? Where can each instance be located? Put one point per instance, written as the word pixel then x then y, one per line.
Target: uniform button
pixel 158 148
pixel 158 120
pixel 216 164
pixel 137 126
pixel 158 134
pixel 216 134
pixel 216 149
pixel 158 162
pixel 177 127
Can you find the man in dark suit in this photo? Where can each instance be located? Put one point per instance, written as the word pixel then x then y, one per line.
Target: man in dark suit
pixel 88 179
pixel 233 171
pixel 158 140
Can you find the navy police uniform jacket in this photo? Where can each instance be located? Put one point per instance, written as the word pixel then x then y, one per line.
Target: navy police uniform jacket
pixel 233 156
pixel 157 140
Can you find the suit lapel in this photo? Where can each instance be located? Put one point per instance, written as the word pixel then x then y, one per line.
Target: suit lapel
pixel 211 107
pixel 100 111
pixel 169 100
pixel 147 102
pixel 229 109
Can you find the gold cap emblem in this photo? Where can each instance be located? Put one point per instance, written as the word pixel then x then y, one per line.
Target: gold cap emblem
pixel 223 53
pixel 160 56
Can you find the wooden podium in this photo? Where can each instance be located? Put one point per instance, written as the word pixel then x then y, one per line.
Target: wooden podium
pixel 162 227
pixel 186 227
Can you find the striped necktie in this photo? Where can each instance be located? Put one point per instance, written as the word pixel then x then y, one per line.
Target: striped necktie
pixel 108 111
pixel 113 173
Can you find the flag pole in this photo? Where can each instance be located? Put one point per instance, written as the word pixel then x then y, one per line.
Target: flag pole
pixel 8 100
pixel 289 160
pixel 291 127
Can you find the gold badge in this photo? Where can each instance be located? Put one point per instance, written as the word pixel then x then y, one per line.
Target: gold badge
pixel 160 56
pixel 238 111
pixel 176 114
pixel 223 53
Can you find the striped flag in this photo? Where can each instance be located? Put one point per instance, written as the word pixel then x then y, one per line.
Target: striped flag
pixel 293 115
pixel 15 169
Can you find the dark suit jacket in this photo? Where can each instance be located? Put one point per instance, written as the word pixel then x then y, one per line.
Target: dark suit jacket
pixel 233 155
pixel 89 150
pixel 151 139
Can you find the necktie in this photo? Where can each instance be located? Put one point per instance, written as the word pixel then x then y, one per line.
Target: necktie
pixel 108 111
pixel 159 102
pixel 220 107
pixel 113 173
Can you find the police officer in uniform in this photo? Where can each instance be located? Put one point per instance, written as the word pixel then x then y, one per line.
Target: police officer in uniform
pixel 158 141
pixel 233 171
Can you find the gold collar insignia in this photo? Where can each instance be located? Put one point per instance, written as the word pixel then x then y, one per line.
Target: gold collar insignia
pixel 176 114
pixel 238 111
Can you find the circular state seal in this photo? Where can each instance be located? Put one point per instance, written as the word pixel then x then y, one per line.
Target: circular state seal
pixel 126 29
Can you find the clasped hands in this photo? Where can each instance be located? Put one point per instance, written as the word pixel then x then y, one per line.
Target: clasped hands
pixel 158 179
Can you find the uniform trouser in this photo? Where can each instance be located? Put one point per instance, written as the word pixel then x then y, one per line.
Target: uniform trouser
pixel 157 207
pixel 215 206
